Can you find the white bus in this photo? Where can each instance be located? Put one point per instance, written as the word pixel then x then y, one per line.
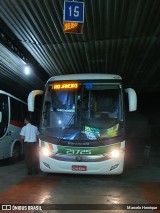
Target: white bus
pixel 82 124
pixel 12 113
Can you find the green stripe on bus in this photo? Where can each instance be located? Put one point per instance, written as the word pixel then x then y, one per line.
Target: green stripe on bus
pixel 87 150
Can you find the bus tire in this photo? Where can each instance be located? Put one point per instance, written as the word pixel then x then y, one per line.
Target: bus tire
pixel 16 153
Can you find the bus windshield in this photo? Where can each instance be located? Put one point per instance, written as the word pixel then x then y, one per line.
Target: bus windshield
pixel 82 111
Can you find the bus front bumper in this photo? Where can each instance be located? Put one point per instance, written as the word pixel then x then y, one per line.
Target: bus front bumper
pixel 104 167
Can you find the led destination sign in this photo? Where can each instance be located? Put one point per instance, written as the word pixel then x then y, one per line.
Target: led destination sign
pixel 61 86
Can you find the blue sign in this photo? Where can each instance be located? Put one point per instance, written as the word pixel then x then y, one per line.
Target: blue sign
pixel 88 85
pixel 74 11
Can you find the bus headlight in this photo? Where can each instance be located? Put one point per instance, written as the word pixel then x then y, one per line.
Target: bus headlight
pixel 45 151
pixel 115 153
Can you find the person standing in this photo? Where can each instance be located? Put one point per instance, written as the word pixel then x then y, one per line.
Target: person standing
pixel 30 134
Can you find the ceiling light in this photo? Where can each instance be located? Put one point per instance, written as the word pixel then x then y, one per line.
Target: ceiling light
pixel 27 70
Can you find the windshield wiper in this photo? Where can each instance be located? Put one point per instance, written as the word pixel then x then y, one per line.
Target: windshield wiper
pixel 65 131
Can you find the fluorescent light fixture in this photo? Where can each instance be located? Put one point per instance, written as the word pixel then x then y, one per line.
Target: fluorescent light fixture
pixel 27 70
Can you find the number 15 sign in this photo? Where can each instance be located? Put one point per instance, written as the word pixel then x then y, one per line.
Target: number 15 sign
pixel 74 11
pixel 73 17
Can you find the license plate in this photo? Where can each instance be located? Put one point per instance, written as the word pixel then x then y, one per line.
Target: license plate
pixel 79 168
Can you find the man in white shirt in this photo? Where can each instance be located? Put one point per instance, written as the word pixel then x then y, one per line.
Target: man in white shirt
pixel 29 134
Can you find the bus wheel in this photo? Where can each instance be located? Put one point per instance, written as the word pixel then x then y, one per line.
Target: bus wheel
pixel 16 154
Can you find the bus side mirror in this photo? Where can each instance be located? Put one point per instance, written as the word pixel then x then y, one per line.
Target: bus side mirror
pixel 132 99
pixel 0 116
pixel 31 99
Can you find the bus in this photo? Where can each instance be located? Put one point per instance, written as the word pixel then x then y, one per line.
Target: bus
pixel 12 113
pixel 82 127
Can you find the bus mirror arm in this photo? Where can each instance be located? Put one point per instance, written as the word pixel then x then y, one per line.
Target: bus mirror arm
pixel 0 116
pixel 132 99
pixel 31 99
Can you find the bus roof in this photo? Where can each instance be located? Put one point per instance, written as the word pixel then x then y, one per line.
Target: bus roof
pixel 85 76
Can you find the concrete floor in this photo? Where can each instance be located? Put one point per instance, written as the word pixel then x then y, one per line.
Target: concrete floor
pixel 139 184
